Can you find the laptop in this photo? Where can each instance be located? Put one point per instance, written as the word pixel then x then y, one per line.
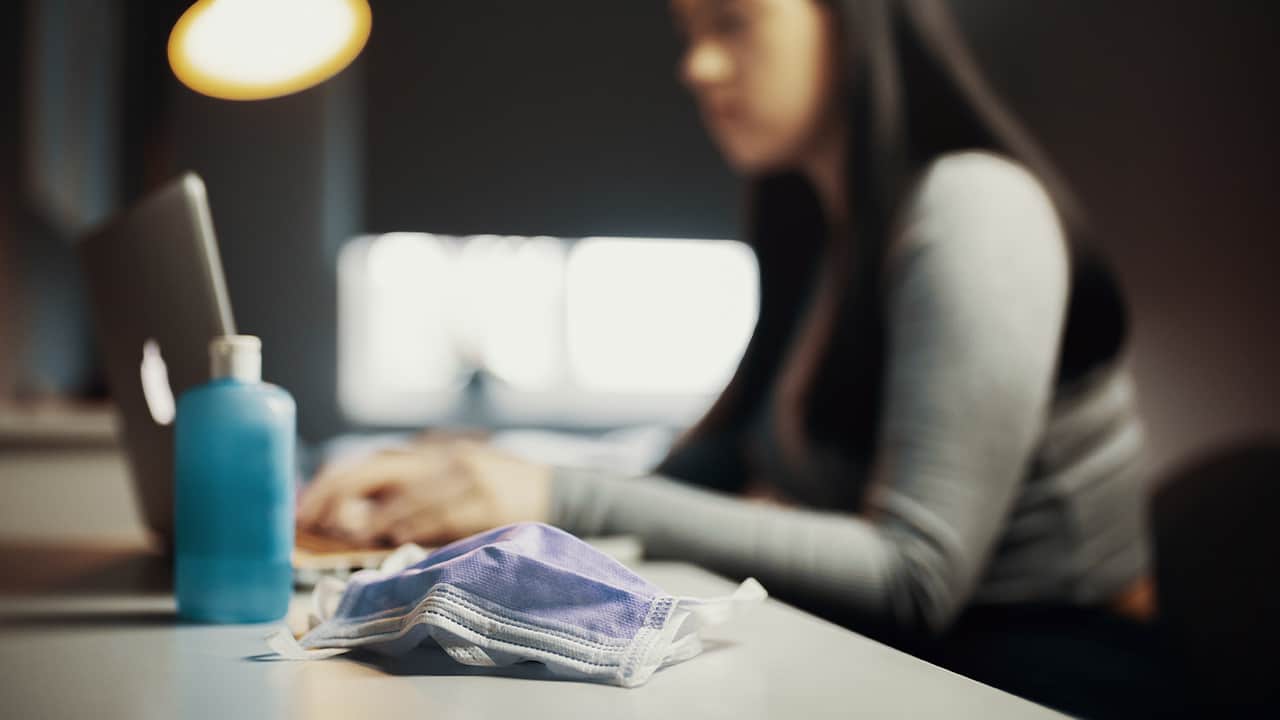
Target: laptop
pixel 158 296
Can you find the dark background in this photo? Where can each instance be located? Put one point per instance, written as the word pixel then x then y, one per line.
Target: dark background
pixel 564 118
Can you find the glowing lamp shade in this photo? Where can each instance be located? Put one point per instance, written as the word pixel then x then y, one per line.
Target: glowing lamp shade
pixel 257 49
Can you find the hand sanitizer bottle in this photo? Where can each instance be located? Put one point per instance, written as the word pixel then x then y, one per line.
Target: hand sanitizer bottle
pixel 234 493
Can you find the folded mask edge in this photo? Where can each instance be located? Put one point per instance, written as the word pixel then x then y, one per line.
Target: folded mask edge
pixel 657 647
pixel 449 602
pixel 389 620
pixel 455 615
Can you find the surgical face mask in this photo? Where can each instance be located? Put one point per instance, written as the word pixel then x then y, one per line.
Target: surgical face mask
pixel 526 592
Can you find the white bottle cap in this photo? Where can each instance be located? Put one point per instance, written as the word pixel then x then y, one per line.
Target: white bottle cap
pixel 236 356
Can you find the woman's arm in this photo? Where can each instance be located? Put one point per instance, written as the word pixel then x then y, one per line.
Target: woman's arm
pixel 976 296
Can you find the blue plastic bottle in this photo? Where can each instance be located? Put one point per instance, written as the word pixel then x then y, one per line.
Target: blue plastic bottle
pixel 233 492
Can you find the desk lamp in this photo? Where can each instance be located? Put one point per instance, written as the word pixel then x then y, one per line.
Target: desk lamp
pixel 258 49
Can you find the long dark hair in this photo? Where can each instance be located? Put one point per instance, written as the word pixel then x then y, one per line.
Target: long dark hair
pixel 913 92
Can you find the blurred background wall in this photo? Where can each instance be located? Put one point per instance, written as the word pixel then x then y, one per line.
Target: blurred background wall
pixel 1163 113
pixel 564 118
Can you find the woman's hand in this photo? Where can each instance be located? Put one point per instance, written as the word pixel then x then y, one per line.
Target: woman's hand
pixel 429 493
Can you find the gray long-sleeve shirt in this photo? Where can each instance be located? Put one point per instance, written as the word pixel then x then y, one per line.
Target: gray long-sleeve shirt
pixel 989 483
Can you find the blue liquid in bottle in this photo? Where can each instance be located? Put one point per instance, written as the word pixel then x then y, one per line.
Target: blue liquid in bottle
pixel 233 493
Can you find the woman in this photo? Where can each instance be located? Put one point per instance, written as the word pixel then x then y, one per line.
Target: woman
pixel 932 406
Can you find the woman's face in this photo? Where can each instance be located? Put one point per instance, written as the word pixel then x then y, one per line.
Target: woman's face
pixel 765 76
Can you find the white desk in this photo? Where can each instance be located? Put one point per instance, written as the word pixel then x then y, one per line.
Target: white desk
pixel 125 656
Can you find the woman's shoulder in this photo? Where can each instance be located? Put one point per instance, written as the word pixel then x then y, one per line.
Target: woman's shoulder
pixel 967 173
pixel 979 205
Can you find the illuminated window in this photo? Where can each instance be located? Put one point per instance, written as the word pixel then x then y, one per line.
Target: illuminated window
pixel 596 332
pixel 654 316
